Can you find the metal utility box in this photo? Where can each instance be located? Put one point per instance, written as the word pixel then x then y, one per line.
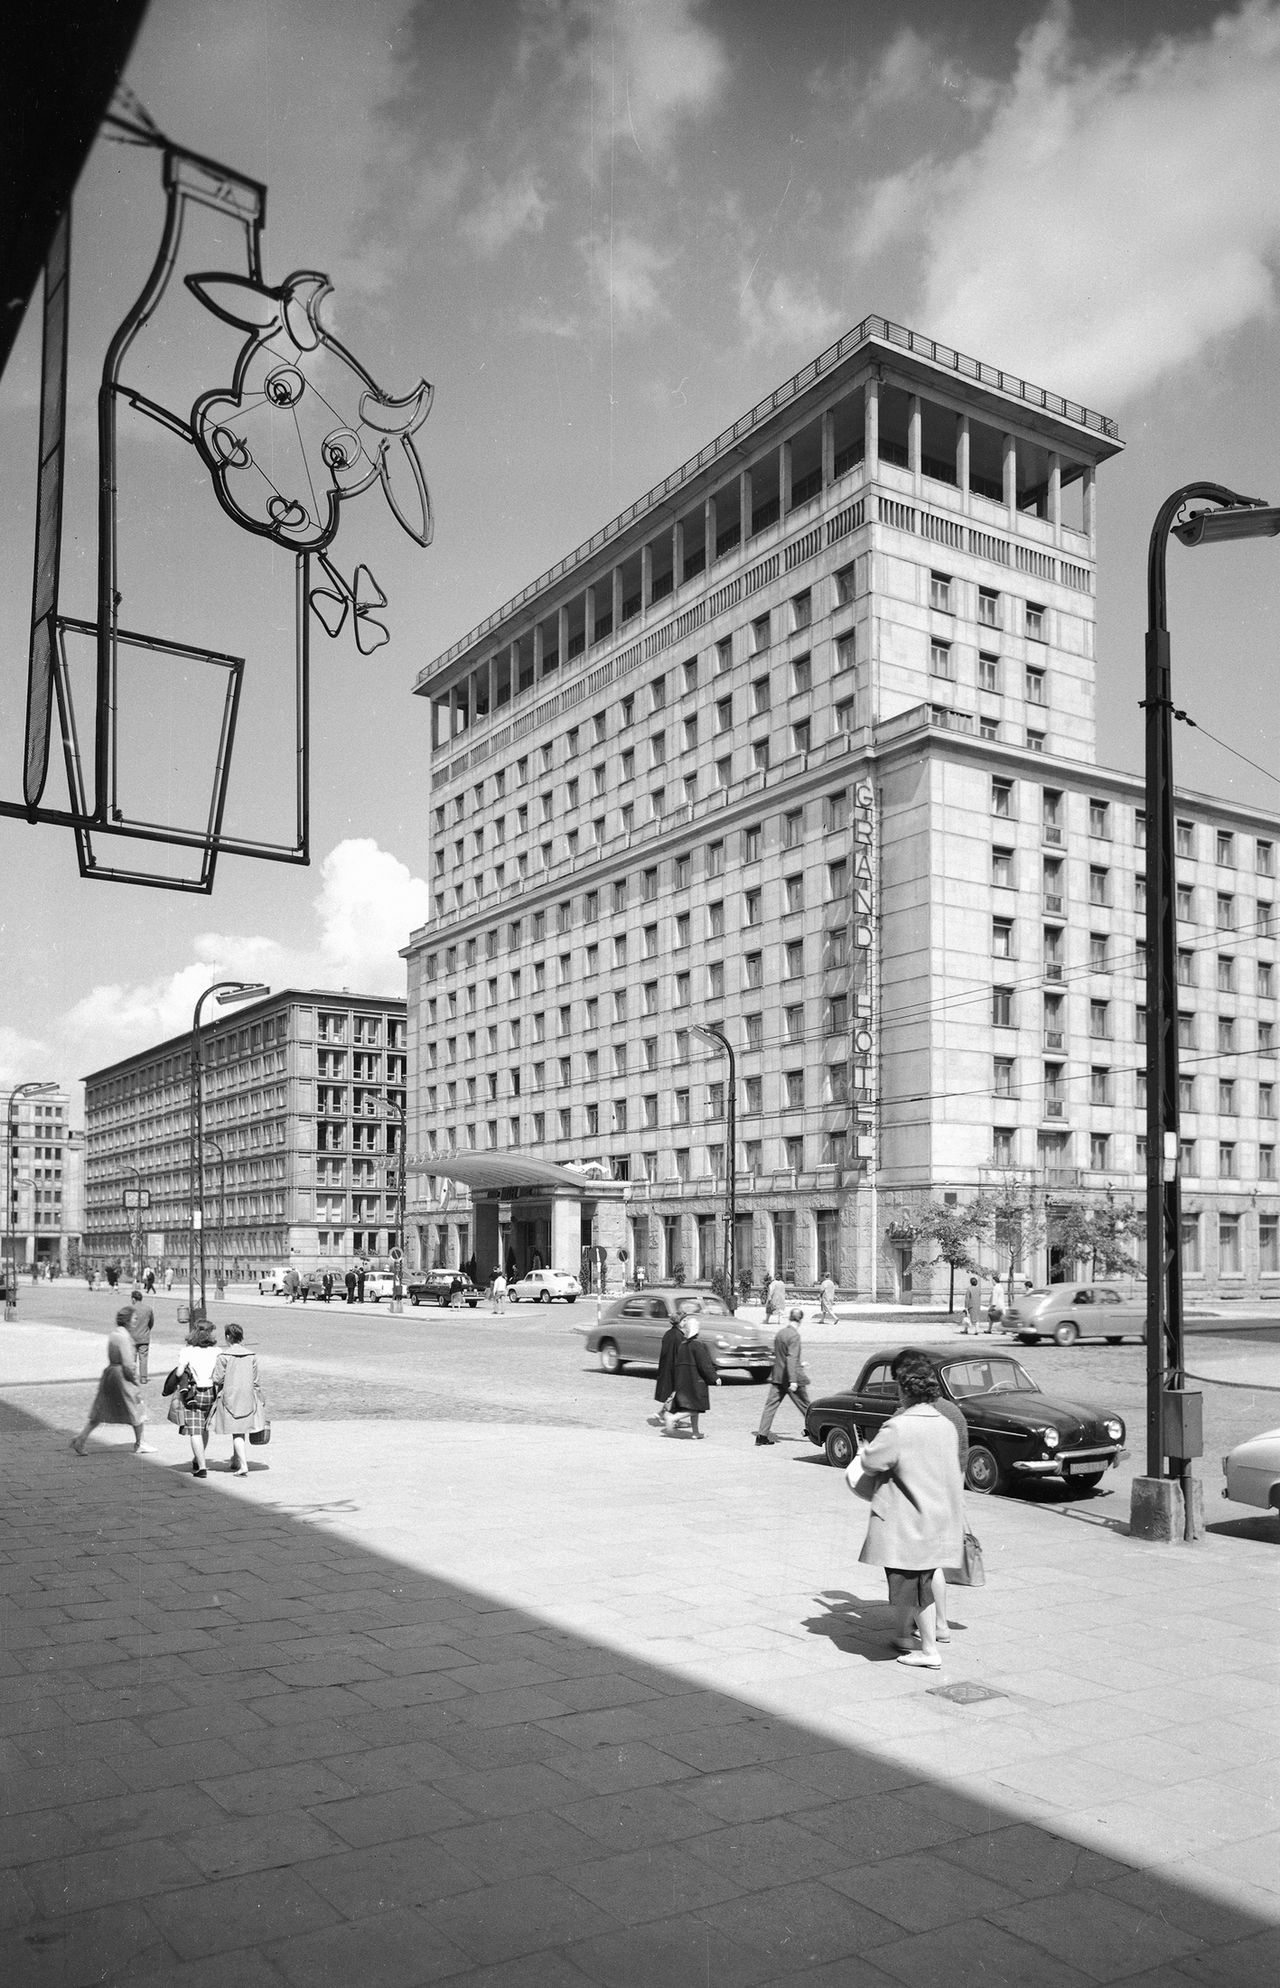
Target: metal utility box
pixel 1182 1423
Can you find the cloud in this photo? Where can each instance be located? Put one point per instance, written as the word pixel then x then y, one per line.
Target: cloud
pixel 667 67
pixel 1115 215
pixel 505 212
pixel 366 907
pixel 22 1058
pixel 625 272
pixel 789 313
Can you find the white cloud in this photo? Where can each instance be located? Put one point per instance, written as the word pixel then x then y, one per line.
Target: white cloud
pixel 505 212
pixel 625 272
pixel 23 1058
pixel 1115 217
pixel 366 907
pixel 669 67
pixel 789 313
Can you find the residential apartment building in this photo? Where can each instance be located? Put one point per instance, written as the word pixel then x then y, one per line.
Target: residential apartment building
pixel 303 1111
pixel 802 745
pixel 39 1200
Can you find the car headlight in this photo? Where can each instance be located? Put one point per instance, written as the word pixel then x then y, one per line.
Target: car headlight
pixel 722 1341
pixel 1051 1438
pixel 1114 1428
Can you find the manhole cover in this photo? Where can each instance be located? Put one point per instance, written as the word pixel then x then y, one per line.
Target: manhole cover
pixel 964 1694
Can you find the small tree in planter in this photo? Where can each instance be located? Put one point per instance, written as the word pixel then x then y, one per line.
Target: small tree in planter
pixel 679 1273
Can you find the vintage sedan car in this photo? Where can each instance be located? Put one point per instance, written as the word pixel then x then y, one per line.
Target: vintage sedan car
pixel 1252 1471
pixel 1017 1433
pixel 435 1287
pixel 1068 1312
pixel 539 1287
pixel 274 1283
pixel 630 1331
pixel 379 1284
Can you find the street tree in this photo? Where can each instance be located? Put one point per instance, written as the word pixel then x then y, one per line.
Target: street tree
pixel 1099 1231
pixel 1017 1223
pixel 950 1230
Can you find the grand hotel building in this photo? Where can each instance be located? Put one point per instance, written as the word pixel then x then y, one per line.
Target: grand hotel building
pixel 803 745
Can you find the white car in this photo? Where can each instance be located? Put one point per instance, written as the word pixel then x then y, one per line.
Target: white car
pixel 1252 1471
pixel 539 1287
pixel 272 1282
pixel 379 1284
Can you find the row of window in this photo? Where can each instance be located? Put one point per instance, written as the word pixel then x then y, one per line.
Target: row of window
pixel 1230 1093
pixel 1035 681
pixel 793 1154
pixel 1229 848
pixel 1054 1152
pixel 1133 954
pixel 1231 1036
pixel 833 1082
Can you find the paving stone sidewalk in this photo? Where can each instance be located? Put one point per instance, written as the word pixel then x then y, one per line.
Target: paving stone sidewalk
pixel 513 1705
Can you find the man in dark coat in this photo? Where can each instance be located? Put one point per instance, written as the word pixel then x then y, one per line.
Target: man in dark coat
pixel 350 1281
pixel 138 1320
pixel 695 1374
pixel 362 1271
pixel 665 1386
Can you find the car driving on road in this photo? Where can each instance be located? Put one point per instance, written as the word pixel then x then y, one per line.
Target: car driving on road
pixel 630 1331
pixel 1017 1432
pixel 1067 1312
pixel 539 1287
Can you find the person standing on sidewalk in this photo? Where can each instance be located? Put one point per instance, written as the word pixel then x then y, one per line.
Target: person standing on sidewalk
pixel 787 1378
pixel 140 1321
pixel 827 1300
pixel 911 1471
pixel 973 1307
pixel 119 1398
pixel 695 1373
pixel 942 1628
pixel 499 1290
pixel 775 1298
pixel 664 1387
pixel 349 1280
pixel 240 1405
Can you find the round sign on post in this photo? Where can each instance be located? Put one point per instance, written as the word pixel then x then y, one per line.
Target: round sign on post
pixel 397 1256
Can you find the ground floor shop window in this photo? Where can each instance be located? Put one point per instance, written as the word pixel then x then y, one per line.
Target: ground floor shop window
pixel 1269 1244
pixel 1191 1245
pixel 1229 1264
pixel 784 1245
pixel 828 1222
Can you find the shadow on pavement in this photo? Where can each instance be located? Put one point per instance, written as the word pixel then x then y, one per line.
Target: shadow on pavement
pixel 237 1747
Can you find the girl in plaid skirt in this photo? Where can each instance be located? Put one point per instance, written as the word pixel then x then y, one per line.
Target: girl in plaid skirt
pixel 196 1392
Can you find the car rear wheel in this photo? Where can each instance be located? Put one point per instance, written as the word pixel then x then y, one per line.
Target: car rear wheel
pixel 609 1360
pixel 840 1449
pixel 544 1297
pixel 982 1472
pixel 414 1299
pixel 1066 1334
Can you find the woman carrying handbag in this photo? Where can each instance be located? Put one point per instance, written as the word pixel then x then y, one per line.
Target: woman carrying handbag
pixel 241 1410
pixel 192 1404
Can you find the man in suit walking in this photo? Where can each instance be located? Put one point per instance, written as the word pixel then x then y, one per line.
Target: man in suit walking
pixel 788 1376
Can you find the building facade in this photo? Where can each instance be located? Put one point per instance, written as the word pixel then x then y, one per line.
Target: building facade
pixel 303 1115
pixel 803 745
pixel 40 1210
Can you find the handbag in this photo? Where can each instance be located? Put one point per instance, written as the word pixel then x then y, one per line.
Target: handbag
pixel 970 1573
pixel 171 1381
pixel 260 1436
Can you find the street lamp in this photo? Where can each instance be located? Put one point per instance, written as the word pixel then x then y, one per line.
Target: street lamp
pixel 712 1032
pixel 224 992
pixel 30 1090
pixel 388 1104
pixel 1234 517
pixel 136 1227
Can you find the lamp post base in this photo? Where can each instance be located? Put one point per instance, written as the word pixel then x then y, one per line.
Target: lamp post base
pixel 1158 1512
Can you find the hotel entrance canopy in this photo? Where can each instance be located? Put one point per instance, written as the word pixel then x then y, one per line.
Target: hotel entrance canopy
pixel 506 1172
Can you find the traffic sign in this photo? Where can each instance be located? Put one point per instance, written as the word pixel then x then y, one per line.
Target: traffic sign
pixel 397 1256
pixel 137 1197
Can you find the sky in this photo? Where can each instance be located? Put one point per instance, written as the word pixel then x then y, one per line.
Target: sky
pixel 601 229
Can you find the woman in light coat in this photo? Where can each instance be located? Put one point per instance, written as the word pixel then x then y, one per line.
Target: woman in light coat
pixel 916 1522
pixel 240 1405
pixel 119 1398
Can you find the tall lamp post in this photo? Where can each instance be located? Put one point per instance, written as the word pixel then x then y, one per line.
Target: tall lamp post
pixel 1172 1416
pixel 136 1236
pixel 219 1278
pixel 31 1090
pixel 223 992
pixel 712 1032
pixel 389 1104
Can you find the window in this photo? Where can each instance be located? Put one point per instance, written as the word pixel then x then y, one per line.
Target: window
pixel 658 749
pixel 801 676
pixel 715 859
pixel 724 715
pixel 793 1090
pixel 759 634
pixel 1002 1076
pixel 754 1025
pixel 801 735
pixel 793 1152
pixel 846 715
pixel 1229 1264
pixel 1186 967
pixel 1226 974
pixel 793 829
pixel 715 981
pixel 689 675
pixel 752 1096
pixel 846 652
pixel 1035 687
pixel 988 608
pixel 1226 849
pixel 1099 1151
pixel 649 886
pixel 1002 1146
pixel 846 585
pixel 837 879
pixel 989 673
pixel 724 654
pixel 682 930
pixel 1185 838
pixel 1264 859
pixel 627 769
pixel 1098 952
pixel 657 693
pixel 793 1023
pixel 715 919
pixel 751 907
pixel 794 893
pixel 591 907
pixel 1269 1231
pixel 1100 1085
pixel 1264 979
pixel 940 658
pixel 837 1014
pixel 751 845
pixel 1226 912
pixel 1191 1244
pixel 940 592
pixel 1002 868
pixel 1099 885
pixel 1035 622
pixel 1264 920
pixel 1139 893
pixel 1002 938
pixel 1100 819
pixel 760 696
pixel 1100 1020
pixel 793 960
pixel 1266 1100
pixel 753 965
pixel 1183 908
pixel 1002 799
pixel 1226 1033
pixel 620 950
pixel 681 1108
pixel 1002 1007
pixel 683 995
pixel 724 773
pixel 1227 1097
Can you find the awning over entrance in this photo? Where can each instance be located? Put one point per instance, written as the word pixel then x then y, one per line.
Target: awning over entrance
pixel 506 1171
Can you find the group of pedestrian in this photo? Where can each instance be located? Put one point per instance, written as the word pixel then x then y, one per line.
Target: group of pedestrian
pixel 211 1388
pixel 686 1374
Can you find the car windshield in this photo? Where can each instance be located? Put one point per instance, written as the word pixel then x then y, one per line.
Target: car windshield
pixel 966 1378
pixel 706 1306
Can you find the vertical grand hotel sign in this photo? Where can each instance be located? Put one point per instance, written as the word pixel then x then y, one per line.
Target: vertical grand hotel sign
pixel 862 979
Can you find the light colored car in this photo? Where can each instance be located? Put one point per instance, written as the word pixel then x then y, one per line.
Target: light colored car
pixel 379 1284
pixel 539 1287
pixel 1067 1312
pixel 1252 1471
pixel 630 1332
pixel 272 1282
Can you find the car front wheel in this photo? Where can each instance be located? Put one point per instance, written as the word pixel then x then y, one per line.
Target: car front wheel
pixel 1066 1334
pixel 544 1297
pixel 609 1360
pixel 982 1472
pixel 414 1300
pixel 840 1449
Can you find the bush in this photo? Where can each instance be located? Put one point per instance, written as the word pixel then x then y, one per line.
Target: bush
pixel 679 1273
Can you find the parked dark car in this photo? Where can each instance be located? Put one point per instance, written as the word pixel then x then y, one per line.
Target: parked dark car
pixel 630 1331
pixel 1017 1433
pixel 436 1287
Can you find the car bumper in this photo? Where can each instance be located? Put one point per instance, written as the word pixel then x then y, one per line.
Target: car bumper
pixel 1069 1465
